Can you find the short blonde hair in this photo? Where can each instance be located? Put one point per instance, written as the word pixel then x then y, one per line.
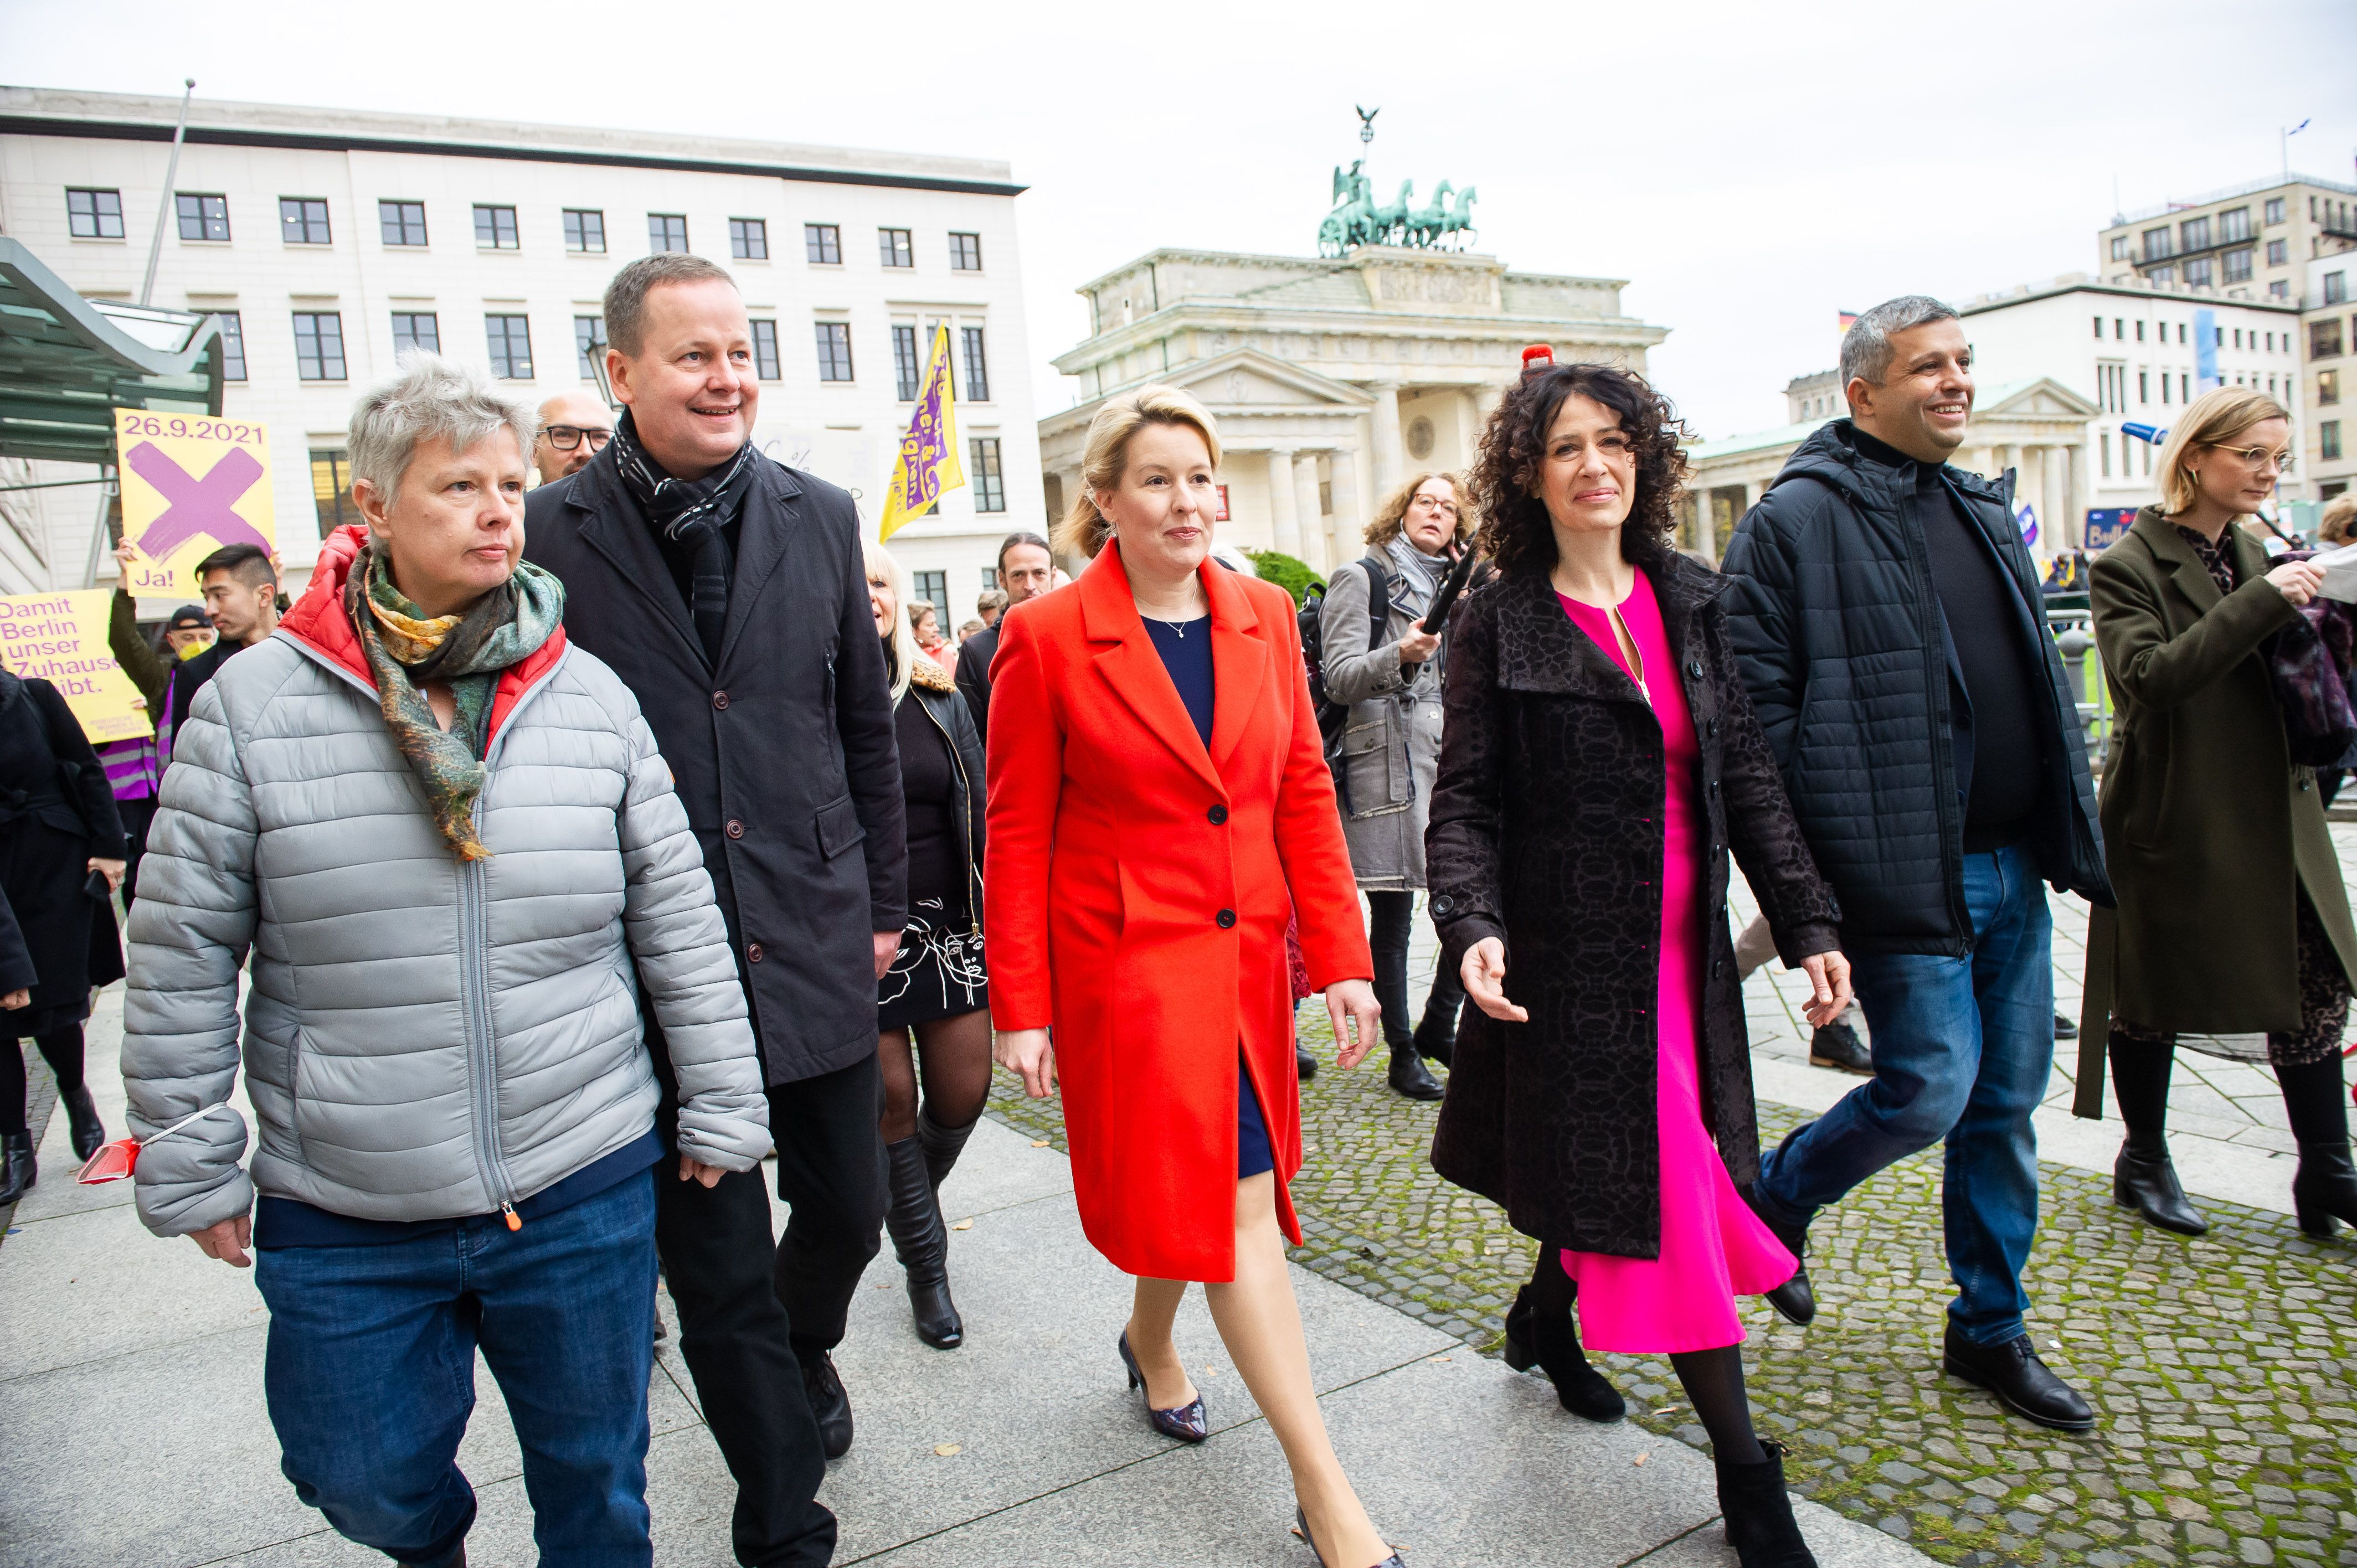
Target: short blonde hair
pixel 885 567
pixel 2212 419
pixel 1391 517
pixel 1084 529
pixel 2335 526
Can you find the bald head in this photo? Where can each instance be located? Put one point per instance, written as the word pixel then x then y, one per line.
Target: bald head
pixel 566 413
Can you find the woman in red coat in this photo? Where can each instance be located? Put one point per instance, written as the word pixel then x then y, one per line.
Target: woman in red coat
pixel 1158 807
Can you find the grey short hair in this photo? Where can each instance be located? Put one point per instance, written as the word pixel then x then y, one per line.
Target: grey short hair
pixel 626 296
pixel 426 397
pixel 1866 346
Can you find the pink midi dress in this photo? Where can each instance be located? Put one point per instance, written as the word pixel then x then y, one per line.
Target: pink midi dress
pixel 1713 1246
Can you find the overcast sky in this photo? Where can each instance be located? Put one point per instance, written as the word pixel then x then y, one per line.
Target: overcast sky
pixel 1751 170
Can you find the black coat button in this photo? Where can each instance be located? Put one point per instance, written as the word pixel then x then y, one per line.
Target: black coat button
pixel 1713 787
pixel 1227 919
pixel 1693 669
pixel 1219 815
pixel 1443 904
pixel 1717 968
pixel 735 827
pixel 719 699
pixel 752 953
pixel 1710 726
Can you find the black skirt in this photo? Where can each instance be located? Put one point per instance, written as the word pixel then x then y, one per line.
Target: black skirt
pixel 938 974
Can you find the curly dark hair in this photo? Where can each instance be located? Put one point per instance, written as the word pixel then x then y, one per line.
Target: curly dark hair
pixel 1515 531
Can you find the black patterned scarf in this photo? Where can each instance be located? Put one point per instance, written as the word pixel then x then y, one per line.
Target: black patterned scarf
pixel 694 515
pixel 407 650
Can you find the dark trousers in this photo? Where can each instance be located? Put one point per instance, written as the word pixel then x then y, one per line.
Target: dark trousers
pixel 831 1171
pixel 1390 921
pixel 734 1333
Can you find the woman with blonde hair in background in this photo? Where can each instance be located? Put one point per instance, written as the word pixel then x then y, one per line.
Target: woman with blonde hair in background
pixel 2231 920
pixel 1159 806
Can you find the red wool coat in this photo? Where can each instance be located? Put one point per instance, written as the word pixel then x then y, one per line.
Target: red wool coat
pixel 1136 891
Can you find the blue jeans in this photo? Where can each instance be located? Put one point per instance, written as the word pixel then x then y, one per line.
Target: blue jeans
pixel 1963 1047
pixel 370 1376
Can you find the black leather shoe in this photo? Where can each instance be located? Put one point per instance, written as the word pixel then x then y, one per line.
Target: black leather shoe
pixel 1553 1348
pixel 2149 1187
pixel 2323 1190
pixel 1435 1044
pixel 1757 1514
pixel 1304 1062
pixel 1837 1045
pixel 82 1124
pixel 1795 1300
pixel 18 1170
pixel 2020 1381
pixel 1187 1423
pixel 913 1215
pixel 1301 1528
pixel 1410 1077
pixel 828 1403
pixel 2065 1028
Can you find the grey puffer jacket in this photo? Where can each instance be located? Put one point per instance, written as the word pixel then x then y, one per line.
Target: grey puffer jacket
pixel 424 1037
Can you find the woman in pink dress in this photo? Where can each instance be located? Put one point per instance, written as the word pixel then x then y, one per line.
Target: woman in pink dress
pixel 1600 760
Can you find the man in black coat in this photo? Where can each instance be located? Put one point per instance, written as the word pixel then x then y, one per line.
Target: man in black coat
pixel 1893 638
pixel 729 594
pixel 1025 571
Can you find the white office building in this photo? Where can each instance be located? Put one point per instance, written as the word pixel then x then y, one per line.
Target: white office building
pixel 328 240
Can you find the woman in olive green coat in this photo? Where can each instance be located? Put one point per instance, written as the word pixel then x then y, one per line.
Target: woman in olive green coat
pixel 2232 917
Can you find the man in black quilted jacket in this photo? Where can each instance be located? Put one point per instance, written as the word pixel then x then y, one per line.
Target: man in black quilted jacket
pixel 1893 640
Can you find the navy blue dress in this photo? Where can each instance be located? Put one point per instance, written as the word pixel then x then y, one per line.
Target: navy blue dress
pixel 1185 650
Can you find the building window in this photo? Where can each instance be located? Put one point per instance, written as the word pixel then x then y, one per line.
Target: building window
pixel 2234 224
pixel 977 367
pixel 94 214
pixel 585 231
pixel 2323 339
pixel 905 369
pixel 2238 265
pixel 2278 252
pixel 935 586
pixel 765 350
pixel 892 246
pixel 202 216
pixel 318 346
pixel 965 253
pixel 2275 212
pixel 2164 393
pixel 989 489
pixel 416 330
pixel 834 350
pixel 666 232
pixel 2180 331
pixel 2139 331
pixel 2164 274
pixel 2104 445
pixel 511 343
pixel 2279 290
pixel 495 228
pixel 2328 386
pixel 2336 288
pixel 2199 271
pixel 2099 327
pixel 749 238
pixel 2160 244
pixel 232 346
pixel 331 488
pixel 402 222
pixel 2184 387
pixel 823 244
pixel 2328 439
pixel 2143 386
pixel 589 343
pixel 2119 247
pixel 2195 233
pixel 303 220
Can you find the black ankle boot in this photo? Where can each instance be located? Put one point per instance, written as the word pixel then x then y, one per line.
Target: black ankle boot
pixel 17 1170
pixel 1757 1514
pixel 2149 1185
pixel 1553 1348
pixel 1410 1076
pixel 81 1121
pixel 2325 1187
pixel 913 1215
pixel 1437 1041
pixel 1304 1062
pixel 942 1145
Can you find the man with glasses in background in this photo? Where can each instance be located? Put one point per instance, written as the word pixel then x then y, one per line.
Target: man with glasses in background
pixel 574 427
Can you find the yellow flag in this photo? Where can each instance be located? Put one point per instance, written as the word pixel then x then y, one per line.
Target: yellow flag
pixel 929 455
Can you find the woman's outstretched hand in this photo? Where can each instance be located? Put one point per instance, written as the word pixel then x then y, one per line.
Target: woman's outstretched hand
pixel 1829 977
pixel 1028 1053
pixel 1484 974
pixel 1352 1001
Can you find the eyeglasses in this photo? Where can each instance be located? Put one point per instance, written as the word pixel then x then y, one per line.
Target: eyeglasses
pixel 565 437
pixel 1430 503
pixel 2259 456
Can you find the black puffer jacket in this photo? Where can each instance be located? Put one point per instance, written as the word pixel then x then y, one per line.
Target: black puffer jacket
pixel 1854 677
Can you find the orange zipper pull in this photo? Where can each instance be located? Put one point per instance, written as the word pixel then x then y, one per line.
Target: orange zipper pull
pixel 515 1221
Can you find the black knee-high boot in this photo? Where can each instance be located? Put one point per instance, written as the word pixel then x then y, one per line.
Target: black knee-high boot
pixel 2325 1187
pixel 942 1145
pixel 913 1216
pixel 2143 1178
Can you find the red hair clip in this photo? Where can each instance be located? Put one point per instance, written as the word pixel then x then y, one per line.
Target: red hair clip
pixel 1537 356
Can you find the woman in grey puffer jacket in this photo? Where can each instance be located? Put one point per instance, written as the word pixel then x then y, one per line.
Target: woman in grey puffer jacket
pixel 449 847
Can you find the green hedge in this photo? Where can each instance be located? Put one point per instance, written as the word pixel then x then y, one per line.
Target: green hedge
pixel 1293 576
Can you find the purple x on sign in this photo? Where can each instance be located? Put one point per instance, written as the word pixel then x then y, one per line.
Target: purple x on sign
pixel 197 508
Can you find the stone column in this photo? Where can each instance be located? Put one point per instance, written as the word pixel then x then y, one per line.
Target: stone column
pixel 1391 461
pixel 1350 516
pixel 1705 529
pixel 2074 531
pixel 1313 520
pixel 1284 518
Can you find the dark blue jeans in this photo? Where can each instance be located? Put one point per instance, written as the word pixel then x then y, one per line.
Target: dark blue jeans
pixel 1963 1047
pixel 370 1376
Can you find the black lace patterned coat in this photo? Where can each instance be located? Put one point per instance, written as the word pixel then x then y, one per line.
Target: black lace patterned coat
pixel 1546 831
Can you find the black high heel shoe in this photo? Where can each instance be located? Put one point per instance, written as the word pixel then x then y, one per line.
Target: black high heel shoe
pixel 1187 1424
pixel 1579 1388
pixel 1301 1524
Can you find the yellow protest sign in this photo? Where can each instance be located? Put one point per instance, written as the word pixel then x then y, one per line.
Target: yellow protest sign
pixel 61 638
pixel 190 485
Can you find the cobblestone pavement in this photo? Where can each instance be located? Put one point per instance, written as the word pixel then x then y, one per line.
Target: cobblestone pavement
pixel 2222 1367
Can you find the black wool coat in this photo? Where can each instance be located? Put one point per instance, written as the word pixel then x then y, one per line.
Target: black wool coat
pixel 57 812
pixel 783 755
pixel 1547 832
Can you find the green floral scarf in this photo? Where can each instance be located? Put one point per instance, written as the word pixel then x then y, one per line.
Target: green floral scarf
pixel 407 650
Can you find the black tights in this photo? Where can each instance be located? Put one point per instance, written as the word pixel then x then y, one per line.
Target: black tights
pixel 2314 1097
pixel 952 1056
pixel 1713 1378
pixel 63 1049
